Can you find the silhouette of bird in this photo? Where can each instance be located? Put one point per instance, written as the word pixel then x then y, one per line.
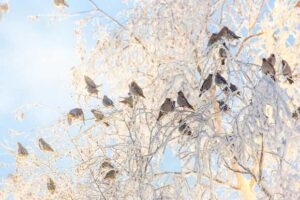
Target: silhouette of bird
pixel 267 68
pixel 75 113
pixel 61 3
pixel 107 102
pixel 223 106
pixel 44 146
pixel 184 128
pixel 111 174
pixel 182 101
pixel 287 72
pixel 206 84
pixel 97 114
pixel 228 34
pixel 272 59
pixel 22 151
pixel 128 101
pixel 51 185
pixel 135 89
pixel 90 85
pixel 166 107
pixel 220 80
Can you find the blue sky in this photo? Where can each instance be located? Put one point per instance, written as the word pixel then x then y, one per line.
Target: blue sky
pixel 36 58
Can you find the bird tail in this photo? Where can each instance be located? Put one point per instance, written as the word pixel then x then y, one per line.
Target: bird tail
pixel 290 80
pixel 191 107
pixel 200 94
pixel 159 116
pixel 223 62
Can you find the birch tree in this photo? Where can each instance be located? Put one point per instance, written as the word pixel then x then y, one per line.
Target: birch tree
pixel 235 144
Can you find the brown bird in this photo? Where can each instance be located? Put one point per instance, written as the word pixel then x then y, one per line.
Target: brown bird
pixel 128 101
pixel 272 59
pixel 22 151
pixel 213 39
pixel 184 128
pixel 44 146
pixel 91 86
pixel 75 113
pixel 99 116
pixel 182 101
pixel 61 3
pixel 206 84
pixel 267 68
pixel 135 89
pixel 228 34
pixel 51 185
pixel 287 72
pixel 166 107
pixel 111 174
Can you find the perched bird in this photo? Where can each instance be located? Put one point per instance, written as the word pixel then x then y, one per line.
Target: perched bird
pixel 223 55
pixel 166 107
pixel 267 68
pixel 111 174
pixel 287 72
pixel 128 101
pixel 97 114
pixel 75 113
pixel 135 89
pixel 233 89
pixel 106 164
pixel 90 85
pixel 51 185
pixel 228 34
pixel 272 59
pixel 107 102
pixel 22 151
pixel 182 101
pixel 213 39
pixel 296 113
pixel 220 80
pixel 206 84
pixel 184 128
pixel 44 146
pixel 223 106
pixel 61 3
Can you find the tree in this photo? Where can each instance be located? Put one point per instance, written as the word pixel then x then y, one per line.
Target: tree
pixel 242 144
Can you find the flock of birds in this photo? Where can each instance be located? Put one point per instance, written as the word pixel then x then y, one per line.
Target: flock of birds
pixel 168 106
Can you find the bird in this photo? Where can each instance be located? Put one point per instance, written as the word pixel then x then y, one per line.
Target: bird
pixel 127 101
pixel 206 84
pixel 22 151
pixel 220 80
pixel 233 89
pixel 182 101
pixel 213 39
pixel 61 3
pixel 75 113
pixel 272 59
pixel 107 102
pixel 90 85
pixel 166 107
pixel 111 174
pixel 51 185
pixel 44 146
pixel 287 72
pixel 228 34
pixel 184 128
pixel 97 114
pixel 267 68
pixel 223 55
pixel 223 106
pixel 135 89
